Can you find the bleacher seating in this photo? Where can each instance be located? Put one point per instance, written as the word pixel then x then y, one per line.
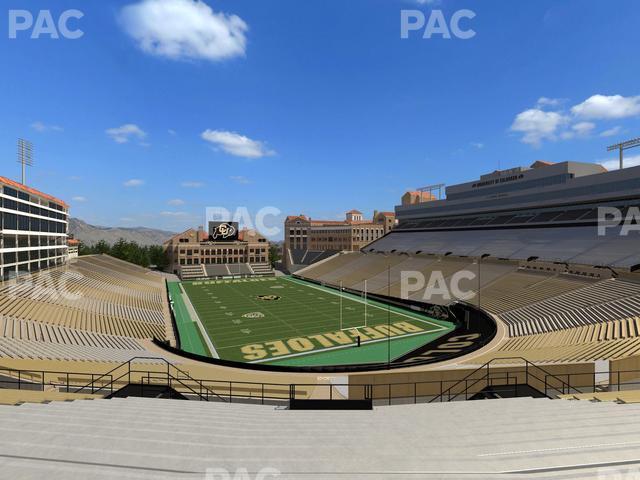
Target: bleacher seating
pixel 95 309
pixel 601 316
pixel 576 245
pixel 601 302
pixel 192 272
pixel 326 267
pixel 168 439
pixel 301 258
pixel 227 270
pixel 262 269
pixel 214 271
pixel 524 287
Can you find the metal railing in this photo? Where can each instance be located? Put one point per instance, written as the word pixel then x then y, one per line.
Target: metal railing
pixel 500 375
pixel 484 377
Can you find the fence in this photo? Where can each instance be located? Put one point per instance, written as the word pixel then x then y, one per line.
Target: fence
pixel 501 375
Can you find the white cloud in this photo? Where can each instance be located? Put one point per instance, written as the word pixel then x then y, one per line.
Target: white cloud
pixel 614 164
pixel 538 125
pixel 580 129
pixel 43 127
pixel 174 214
pixel 612 132
pixel 477 145
pixel 176 202
pixel 240 179
pixel 236 144
pixel 126 219
pixel 134 182
pixel 427 2
pixel 79 199
pixel 184 29
pixel 548 102
pixel 171 132
pixel 607 107
pixel 191 184
pixel 125 132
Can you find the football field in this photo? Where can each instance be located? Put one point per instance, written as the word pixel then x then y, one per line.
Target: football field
pixel 290 322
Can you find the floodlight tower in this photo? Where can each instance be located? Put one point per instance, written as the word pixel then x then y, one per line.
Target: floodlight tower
pixel 25 156
pixel 621 147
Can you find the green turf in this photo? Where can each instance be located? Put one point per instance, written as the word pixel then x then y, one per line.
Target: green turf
pixel 295 320
pixel 367 353
pixel 190 337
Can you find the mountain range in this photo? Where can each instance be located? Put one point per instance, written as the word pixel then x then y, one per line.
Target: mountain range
pixel 91 234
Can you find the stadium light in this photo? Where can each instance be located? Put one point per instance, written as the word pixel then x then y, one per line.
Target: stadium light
pixel 621 147
pixel 25 156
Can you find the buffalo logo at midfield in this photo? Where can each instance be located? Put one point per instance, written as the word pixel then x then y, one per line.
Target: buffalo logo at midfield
pixel 224 230
pixel 268 298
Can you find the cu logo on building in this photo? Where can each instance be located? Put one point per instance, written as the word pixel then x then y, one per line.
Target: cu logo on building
pixel 224 230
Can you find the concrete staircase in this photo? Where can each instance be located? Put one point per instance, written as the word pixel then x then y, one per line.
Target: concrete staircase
pixel 262 268
pixel 162 439
pixel 192 272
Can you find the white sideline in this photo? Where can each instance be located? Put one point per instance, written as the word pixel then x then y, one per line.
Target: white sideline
pixel 194 316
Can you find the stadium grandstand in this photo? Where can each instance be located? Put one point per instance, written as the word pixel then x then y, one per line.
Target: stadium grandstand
pixel 546 251
pixel 547 306
pixel 96 308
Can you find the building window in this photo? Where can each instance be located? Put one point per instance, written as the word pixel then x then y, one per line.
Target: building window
pixel 23 223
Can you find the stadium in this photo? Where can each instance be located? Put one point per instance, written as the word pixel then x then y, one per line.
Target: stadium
pixel 544 319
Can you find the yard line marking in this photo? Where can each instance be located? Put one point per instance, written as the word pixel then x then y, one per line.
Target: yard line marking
pixel 237 298
pixel 283 321
pixel 440 327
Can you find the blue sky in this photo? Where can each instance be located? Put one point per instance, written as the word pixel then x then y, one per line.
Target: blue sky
pixel 165 107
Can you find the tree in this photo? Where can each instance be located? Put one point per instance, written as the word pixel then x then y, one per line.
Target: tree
pixel 129 252
pixel 158 257
pixel 274 254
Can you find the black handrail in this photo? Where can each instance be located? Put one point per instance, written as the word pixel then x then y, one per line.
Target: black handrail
pixel 128 362
pixel 129 371
pixel 441 395
pixel 487 365
pixel 204 389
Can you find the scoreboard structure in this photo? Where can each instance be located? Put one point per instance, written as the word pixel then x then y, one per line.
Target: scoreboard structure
pixel 223 231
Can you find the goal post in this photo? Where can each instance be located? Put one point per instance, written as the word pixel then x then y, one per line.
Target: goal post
pixel 365 303
pixel 364 296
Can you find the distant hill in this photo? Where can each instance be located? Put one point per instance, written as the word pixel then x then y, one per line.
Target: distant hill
pixel 90 234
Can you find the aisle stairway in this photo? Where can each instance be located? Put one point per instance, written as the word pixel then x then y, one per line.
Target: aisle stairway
pixel 192 272
pixel 262 269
